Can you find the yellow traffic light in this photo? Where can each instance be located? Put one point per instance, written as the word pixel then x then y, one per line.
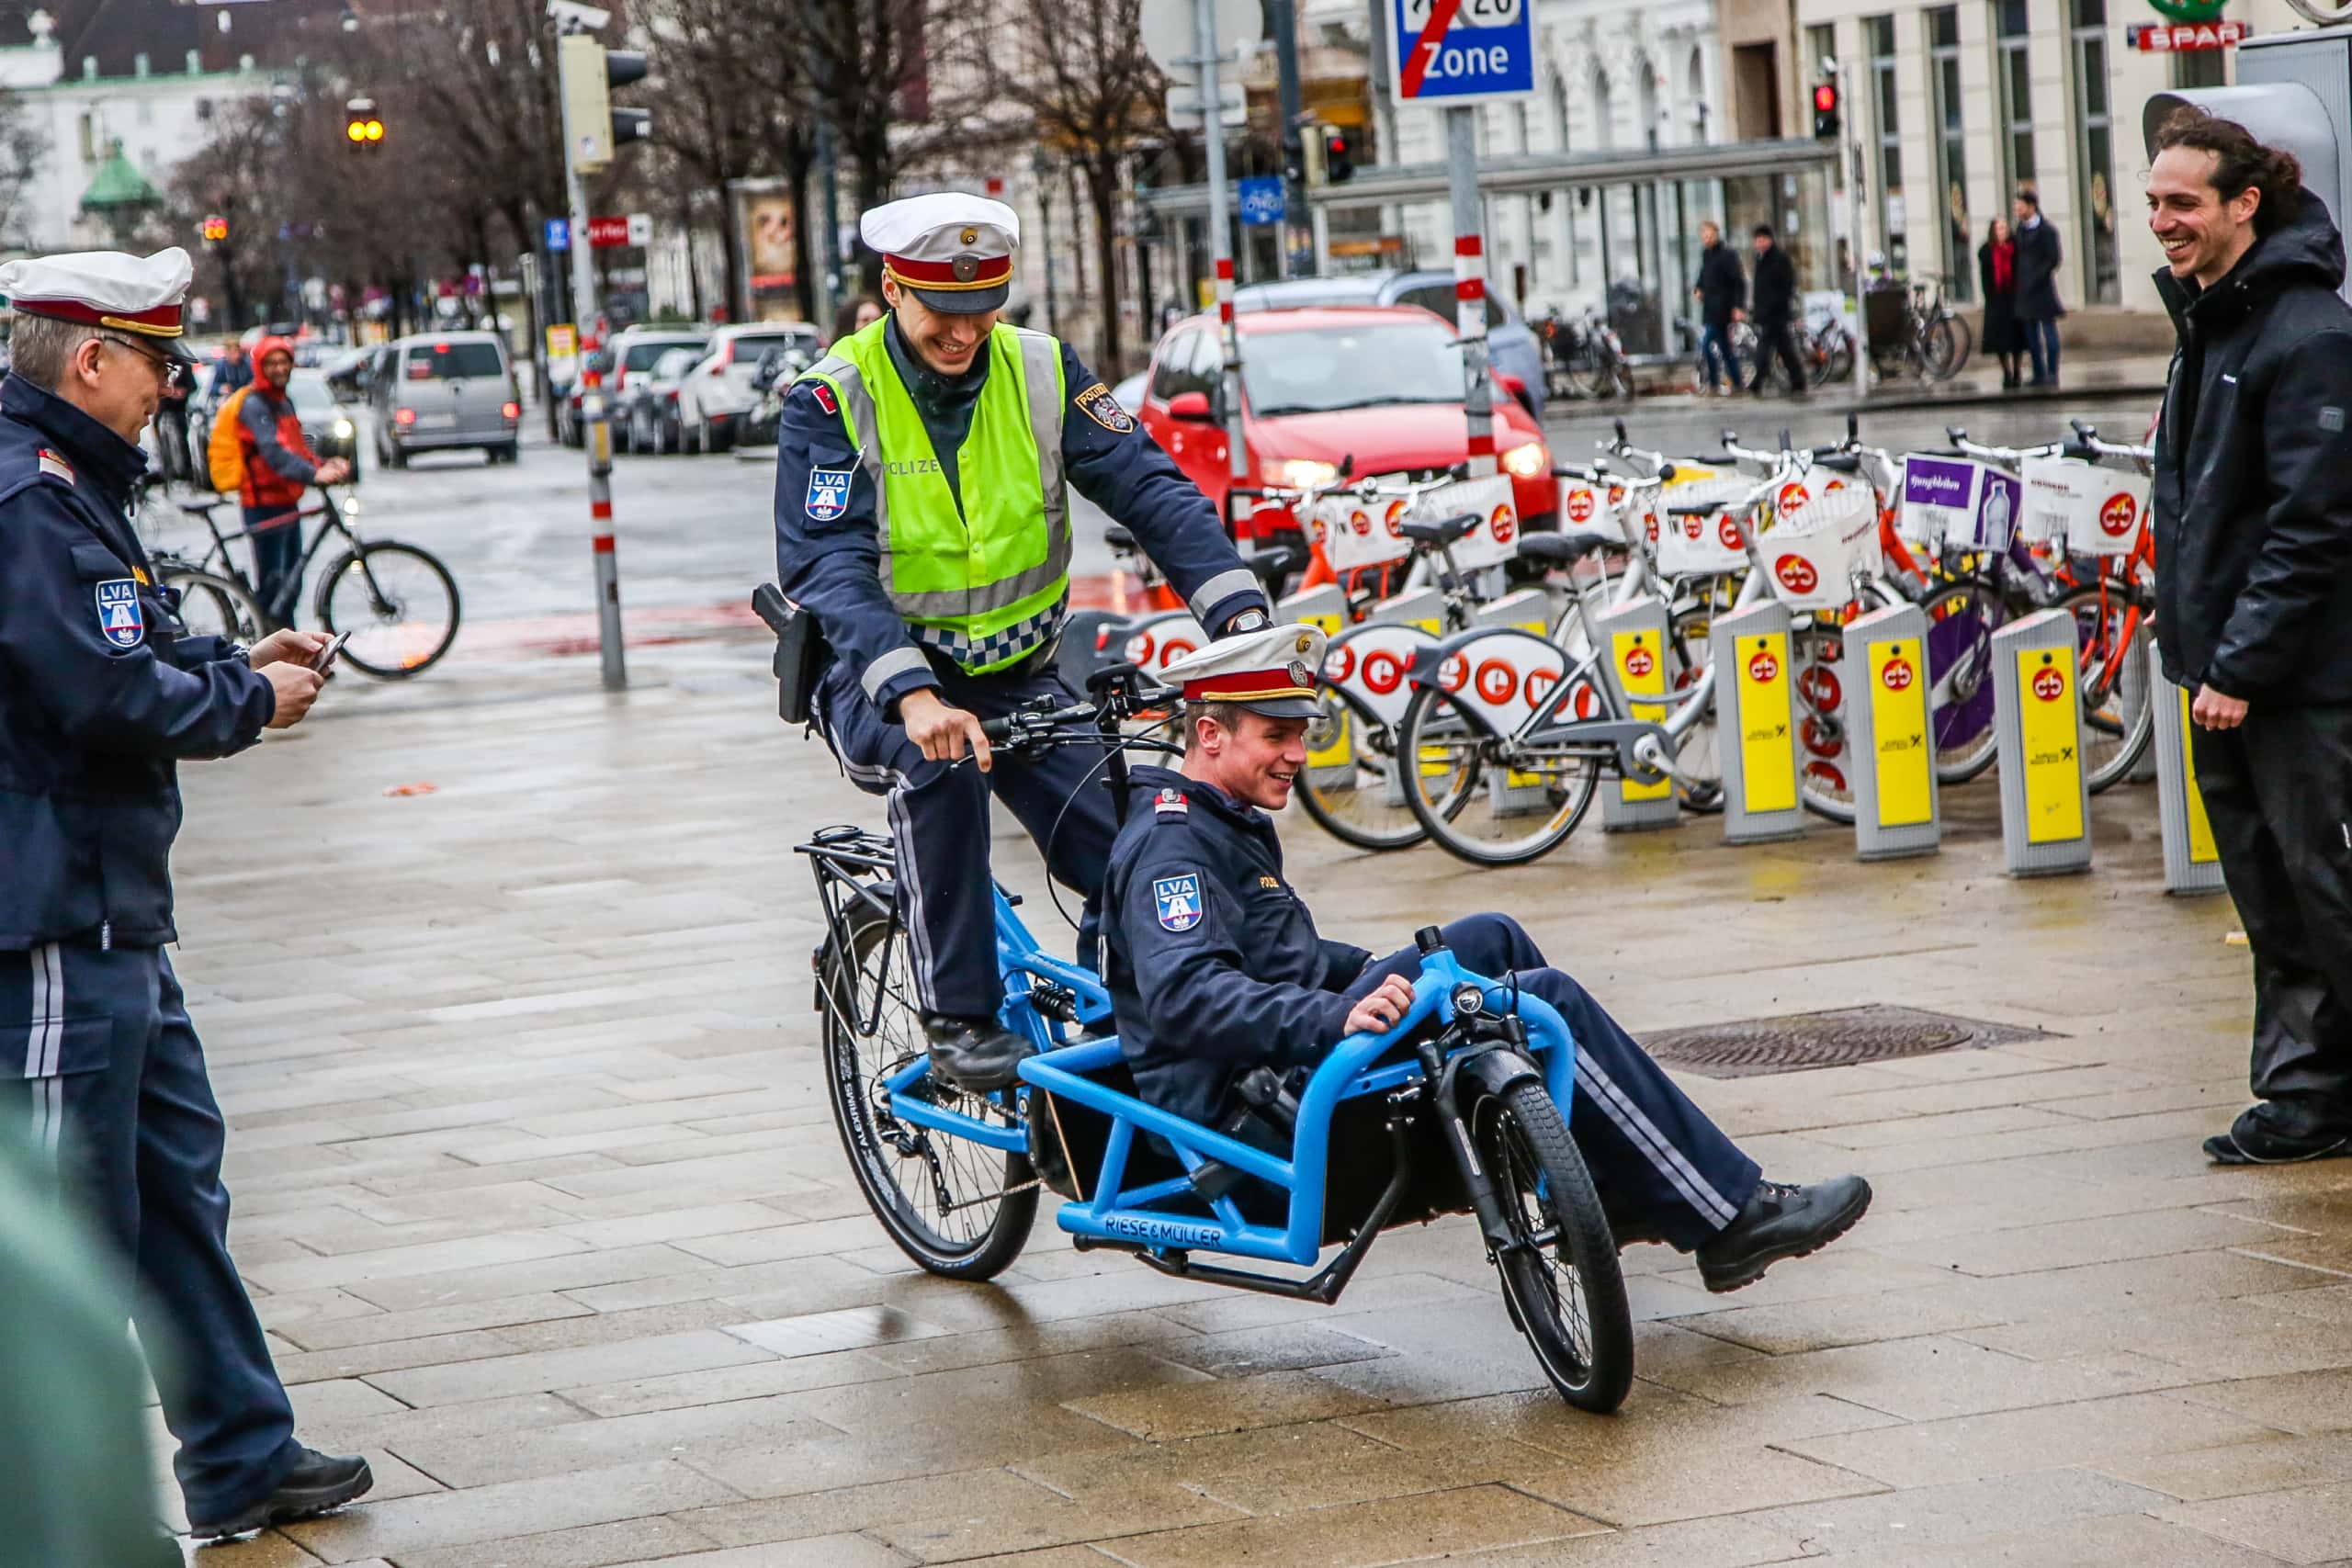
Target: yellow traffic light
pixel 216 229
pixel 374 131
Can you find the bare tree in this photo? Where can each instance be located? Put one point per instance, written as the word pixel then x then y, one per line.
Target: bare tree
pixel 719 104
pixel 21 147
pixel 1079 69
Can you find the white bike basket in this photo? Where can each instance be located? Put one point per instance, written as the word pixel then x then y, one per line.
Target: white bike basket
pixel 1358 533
pixel 1706 544
pixel 2095 511
pixel 1811 552
pixel 1496 538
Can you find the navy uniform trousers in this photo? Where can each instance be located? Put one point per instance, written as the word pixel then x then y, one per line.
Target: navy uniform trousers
pixel 1664 1171
pixel 939 820
pixel 99 1063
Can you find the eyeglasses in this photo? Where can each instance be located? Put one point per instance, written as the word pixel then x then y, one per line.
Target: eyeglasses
pixel 158 363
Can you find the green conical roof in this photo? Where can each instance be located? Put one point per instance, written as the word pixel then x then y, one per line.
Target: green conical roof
pixel 117 184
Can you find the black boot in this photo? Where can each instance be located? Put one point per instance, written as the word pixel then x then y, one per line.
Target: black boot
pixel 978 1056
pixel 1781 1220
pixel 2268 1134
pixel 317 1482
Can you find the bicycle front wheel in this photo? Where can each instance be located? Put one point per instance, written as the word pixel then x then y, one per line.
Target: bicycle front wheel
pixel 1961 618
pixel 1560 1274
pixel 400 605
pixel 1477 804
pixel 213 605
pixel 2111 660
pixel 955 1207
pixel 1350 785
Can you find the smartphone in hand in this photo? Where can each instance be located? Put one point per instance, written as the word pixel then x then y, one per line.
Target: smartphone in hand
pixel 327 654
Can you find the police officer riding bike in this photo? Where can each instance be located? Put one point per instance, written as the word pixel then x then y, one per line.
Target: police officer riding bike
pixel 922 518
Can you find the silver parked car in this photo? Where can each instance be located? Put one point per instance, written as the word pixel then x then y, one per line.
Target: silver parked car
pixel 438 391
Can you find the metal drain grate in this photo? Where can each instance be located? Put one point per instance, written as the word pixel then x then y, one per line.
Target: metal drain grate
pixel 1838 1038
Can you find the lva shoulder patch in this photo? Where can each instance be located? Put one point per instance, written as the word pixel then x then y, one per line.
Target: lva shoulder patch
pixel 1171 803
pixel 1097 403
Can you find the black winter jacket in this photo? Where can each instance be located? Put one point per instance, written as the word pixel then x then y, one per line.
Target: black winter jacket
pixel 2253 488
pixel 1775 288
pixel 1722 287
pixel 2038 255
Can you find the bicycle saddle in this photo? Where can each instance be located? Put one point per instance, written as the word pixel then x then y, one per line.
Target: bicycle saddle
pixel 200 508
pixel 1444 531
pixel 1561 549
pixel 1118 536
pixel 1272 563
pixel 1694 508
pixel 1840 463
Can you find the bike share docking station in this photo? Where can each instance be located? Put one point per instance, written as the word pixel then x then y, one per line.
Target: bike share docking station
pixel 1633 638
pixel 2192 862
pixel 2038 712
pixel 1755 727
pixel 1884 672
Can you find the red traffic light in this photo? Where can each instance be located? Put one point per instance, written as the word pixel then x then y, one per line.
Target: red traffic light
pixel 1824 99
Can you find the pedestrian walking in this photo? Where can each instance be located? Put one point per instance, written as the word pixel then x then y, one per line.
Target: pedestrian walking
pixel 102 693
pixel 2037 309
pixel 278 465
pixel 1721 293
pixel 1775 309
pixel 1996 277
pixel 2253 516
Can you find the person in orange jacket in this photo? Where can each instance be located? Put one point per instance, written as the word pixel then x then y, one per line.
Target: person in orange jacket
pixel 280 465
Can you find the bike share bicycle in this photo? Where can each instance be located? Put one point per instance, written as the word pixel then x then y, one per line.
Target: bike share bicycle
pixel 1460 1107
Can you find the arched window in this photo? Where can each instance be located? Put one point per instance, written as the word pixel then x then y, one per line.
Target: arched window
pixel 1560 110
pixel 1604 112
pixel 1646 74
pixel 1696 90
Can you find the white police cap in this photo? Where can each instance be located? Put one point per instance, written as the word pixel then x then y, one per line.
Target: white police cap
pixel 1270 672
pixel 955 250
pixel 140 295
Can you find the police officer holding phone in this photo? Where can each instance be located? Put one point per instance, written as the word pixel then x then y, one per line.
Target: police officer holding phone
pixel 101 696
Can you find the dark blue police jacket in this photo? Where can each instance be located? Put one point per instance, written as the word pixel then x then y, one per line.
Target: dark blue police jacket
pixel 834 565
pixel 1214 967
pixel 98 696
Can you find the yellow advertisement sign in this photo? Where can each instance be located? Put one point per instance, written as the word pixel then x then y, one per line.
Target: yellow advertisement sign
pixel 2201 849
pixel 1641 673
pixel 1904 768
pixel 1768 762
pixel 2051 730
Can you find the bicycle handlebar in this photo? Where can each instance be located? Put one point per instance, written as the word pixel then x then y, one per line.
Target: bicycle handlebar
pixel 1120 691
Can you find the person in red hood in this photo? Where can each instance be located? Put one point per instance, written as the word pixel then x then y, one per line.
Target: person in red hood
pixel 280 465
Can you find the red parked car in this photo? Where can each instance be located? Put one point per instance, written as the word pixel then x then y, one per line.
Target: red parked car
pixel 1378 383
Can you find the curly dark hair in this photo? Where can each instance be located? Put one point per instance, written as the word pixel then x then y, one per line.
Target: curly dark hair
pixel 2240 164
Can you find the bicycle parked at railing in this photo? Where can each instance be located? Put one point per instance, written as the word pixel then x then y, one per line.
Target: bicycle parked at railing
pixel 398 601
pixel 1583 357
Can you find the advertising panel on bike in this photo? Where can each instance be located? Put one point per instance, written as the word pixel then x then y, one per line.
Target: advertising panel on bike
pixel 1587 509
pixel 1813 550
pixel 1707 543
pixel 1372 661
pixel 1957 503
pixel 1496 538
pixel 1358 532
pixel 1154 642
pixel 2096 510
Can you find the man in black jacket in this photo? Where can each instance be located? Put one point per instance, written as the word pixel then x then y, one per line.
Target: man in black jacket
pixel 1776 308
pixel 2037 309
pixel 2253 507
pixel 1721 290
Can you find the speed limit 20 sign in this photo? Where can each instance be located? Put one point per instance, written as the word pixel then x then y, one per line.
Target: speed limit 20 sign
pixel 1457 52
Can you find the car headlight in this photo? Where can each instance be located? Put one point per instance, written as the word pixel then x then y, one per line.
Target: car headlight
pixel 343 429
pixel 1297 473
pixel 1527 462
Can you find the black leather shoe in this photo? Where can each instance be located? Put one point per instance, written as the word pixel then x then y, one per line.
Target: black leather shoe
pixel 978 1056
pixel 1781 1220
pixel 317 1482
pixel 2261 1135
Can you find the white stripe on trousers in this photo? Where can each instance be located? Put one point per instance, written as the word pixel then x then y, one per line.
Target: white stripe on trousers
pixel 1670 1162
pixel 902 833
pixel 45 1045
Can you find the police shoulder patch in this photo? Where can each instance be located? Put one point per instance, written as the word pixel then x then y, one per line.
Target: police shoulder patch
pixel 1097 403
pixel 824 396
pixel 120 619
pixel 1177 900
pixel 1171 803
pixel 55 466
pixel 828 492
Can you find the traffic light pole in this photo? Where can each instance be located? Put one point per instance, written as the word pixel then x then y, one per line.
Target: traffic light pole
pixel 1206 45
pixel 596 435
pixel 1850 153
pixel 1470 283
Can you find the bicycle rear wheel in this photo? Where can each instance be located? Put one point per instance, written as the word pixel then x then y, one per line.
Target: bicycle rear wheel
pixel 956 1208
pixel 2111 654
pixel 399 603
pixel 1560 1274
pixel 213 605
pixel 1963 615
pixel 1350 785
pixel 1470 801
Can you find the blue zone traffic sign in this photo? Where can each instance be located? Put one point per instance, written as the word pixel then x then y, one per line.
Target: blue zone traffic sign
pixel 1456 51
pixel 1262 199
pixel 559 233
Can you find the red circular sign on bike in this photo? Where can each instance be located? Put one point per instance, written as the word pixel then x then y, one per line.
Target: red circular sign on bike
pixel 1539 685
pixel 1796 574
pixel 2048 686
pixel 2119 514
pixel 1727 530
pixel 1762 668
pixel 1455 673
pixel 1692 527
pixel 1792 500
pixel 1579 506
pixel 1382 671
pixel 1504 524
pixel 1497 682
pixel 1639 662
pixel 1139 649
pixel 1172 650
pixel 1339 663
pixel 1821 687
pixel 1394 518
pixel 1897 675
